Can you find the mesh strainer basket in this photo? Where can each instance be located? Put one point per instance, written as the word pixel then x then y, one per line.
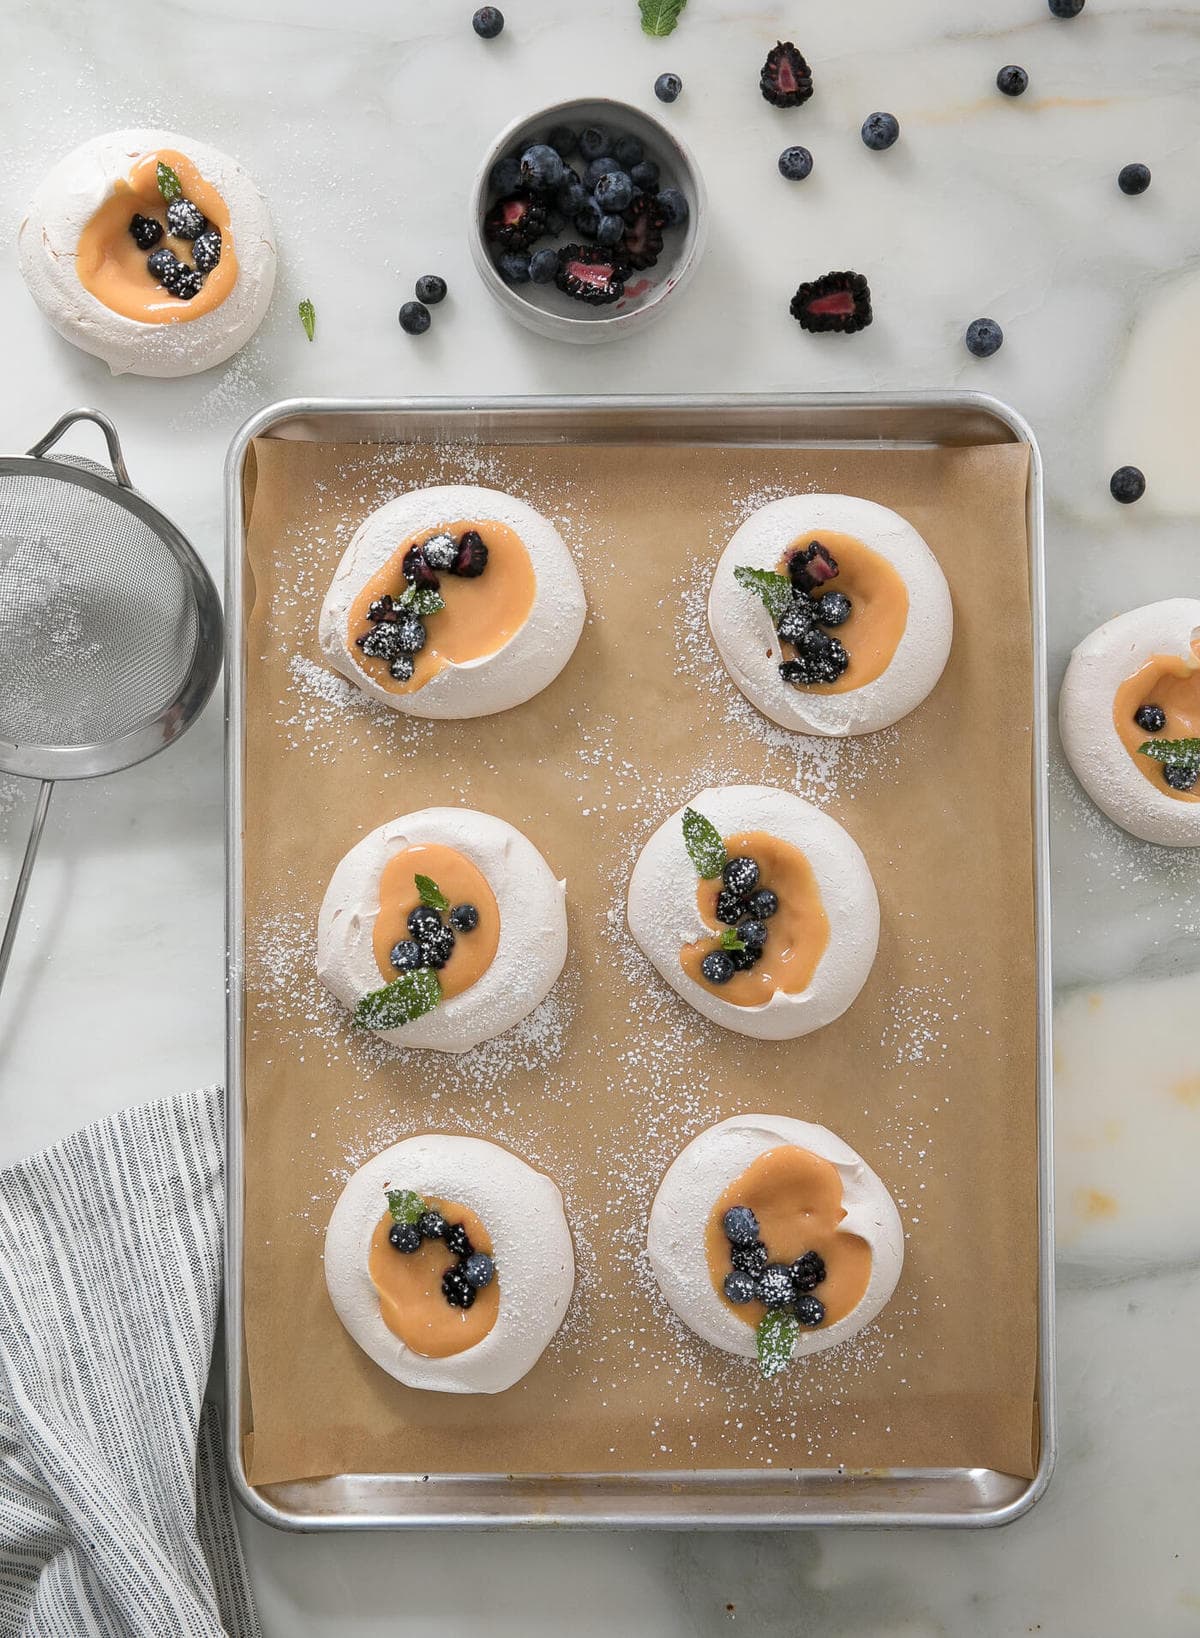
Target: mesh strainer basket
pixel 110 627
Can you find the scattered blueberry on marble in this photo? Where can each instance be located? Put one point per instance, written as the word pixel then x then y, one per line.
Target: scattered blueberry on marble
pixel 415 318
pixel 487 22
pixel 430 289
pixel 1013 81
pixel 984 337
pixel 667 87
pixel 880 131
pixel 1127 484
pixel 1065 8
pixel 795 164
pixel 1134 178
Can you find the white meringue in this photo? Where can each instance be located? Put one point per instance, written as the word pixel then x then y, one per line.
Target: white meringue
pixel 696 1180
pixel 749 646
pixel 522 1211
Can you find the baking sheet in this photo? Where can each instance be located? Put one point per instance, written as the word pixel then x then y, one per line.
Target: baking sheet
pixel 931 1074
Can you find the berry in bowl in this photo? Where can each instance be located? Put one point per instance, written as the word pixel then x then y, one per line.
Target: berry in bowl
pixel 585 218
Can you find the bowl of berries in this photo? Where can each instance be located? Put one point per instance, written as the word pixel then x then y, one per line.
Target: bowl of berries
pixel 586 218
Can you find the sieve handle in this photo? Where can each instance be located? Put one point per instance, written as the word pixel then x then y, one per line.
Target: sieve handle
pixel 115 458
pixel 26 871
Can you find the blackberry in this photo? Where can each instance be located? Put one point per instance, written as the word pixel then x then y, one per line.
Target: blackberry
pixel 775 1286
pixel 983 338
pixel 753 934
pixel 1133 179
pixel 740 876
pixel 437 946
pixel 786 79
pixel 1181 776
pixel 478 1270
pixel 798 620
pixel 880 131
pixel 730 908
pixel 808 1271
pixel 809 1310
pixel 401 669
pixel 464 918
pixel 185 283
pixel 430 288
pixel 457 1292
pixel 162 264
pixel 471 558
pixel 743 960
pixel 717 967
pixel 812 567
pixel 459 1241
pixel 515 222
pixel 488 22
pixel 422 921
pixel 410 634
pixel 418 570
pixel 406 955
pixel 1013 81
pixel 834 302
pixel 819 659
pixel 185 220
pixel 749 1259
pixel 763 904
pixel 405 1237
pixel 440 551
pixel 667 87
pixel 642 239
pixel 593 143
pixel 739 1288
pixel 382 642
pixel 145 230
pixel 795 164
pixel 383 608
pixel 834 609
pixel 740 1226
pixel 415 318
pixel 432 1225
pixel 1127 484
pixel 206 252
pixel 1152 719
pixel 594 276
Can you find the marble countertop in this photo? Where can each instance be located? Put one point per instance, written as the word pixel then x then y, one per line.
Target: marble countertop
pixel 363 123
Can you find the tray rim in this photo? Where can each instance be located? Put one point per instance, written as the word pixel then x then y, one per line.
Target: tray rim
pixel 781 1513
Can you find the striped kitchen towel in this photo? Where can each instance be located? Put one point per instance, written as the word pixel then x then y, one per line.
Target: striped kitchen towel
pixel 115 1515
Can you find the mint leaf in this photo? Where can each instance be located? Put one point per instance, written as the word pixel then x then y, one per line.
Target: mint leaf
pixel 774 589
pixel 399 1002
pixel 730 939
pixel 421 600
pixel 776 1334
pixel 430 893
pixel 703 841
pixel 308 317
pixel 1186 752
pixel 659 17
pixel 168 181
pixel 404 1205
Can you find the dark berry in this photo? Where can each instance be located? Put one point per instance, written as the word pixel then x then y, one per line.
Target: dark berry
pixel 206 252
pixel 596 168
pixel 1127 485
pixel 515 222
pixel 984 337
pixel 795 164
pixel 163 265
pixel 740 1288
pixel 750 1259
pixel 1013 81
pixel 432 1225
pixel 743 960
pixel 730 907
pixel 563 140
pixel 798 620
pixel 382 642
pixel 808 1271
pixel 543 266
pixel 471 558
pixel 740 1226
pixel 418 570
pixel 589 219
pixel 645 176
pixel 437 946
pixel 514 267
pixel 401 669
pixel 383 608
pixel 405 1237
pixel 1066 8
pixel 464 918
pixel 812 567
pixel 613 191
pixel 185 283
pixel 763 904
pixel 185 220
pixel 674 206
pixel 628 151
pixel 593 141
pixel 809 1310
pixel 595 276
pixel 430 288
pixel 610 231
pixel 458 1241
pixel 1133 178
pixel 1181 776
pixel 819 659
pixel 753 934
pixel 406 955
pixel 833 609
pixel 541 168
pixel 571 197
pixel 487 22
pixel 642 239
pixel 775 1286
pixel 478 1270
pixel 717 967
pixel 506 174
pixel 414 318
pixel 879 131
pixel 835 302
pixel 146 231
pixel 667 87
pixel 740 876
pixel 786 80
pixel 439 552
pixel 423 920
pixel 457 1292
pixel 1152 719
pixel 410 633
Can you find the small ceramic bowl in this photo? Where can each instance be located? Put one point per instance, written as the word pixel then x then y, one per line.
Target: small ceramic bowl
pixel 545 308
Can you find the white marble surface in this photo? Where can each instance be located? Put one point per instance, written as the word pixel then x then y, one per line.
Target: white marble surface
pixel 361 121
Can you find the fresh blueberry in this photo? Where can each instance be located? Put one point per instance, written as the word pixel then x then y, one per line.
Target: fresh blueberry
pixel 431 288
pixel 401 668
pixel 1013 81
pixel 795 164
pixel 541 168
pixel 459 1241
pixel 423 919
pixel 563 140
pixel 610 231
pixel 464 918
pixel 809 1310
pixel 717 967
pixel 674 206
pixel 1151 719
pixel 740 876
pixel 596 168
pixel 437 946
pixel 593 142
pixel 414 318
pixel 753 934
pixel 629 152
pixel 984 337
pixel 145 230
pixel 879 131
pixel 478 1270
pixel 570 194
pixel 730 907
pixel 506 175
pixel 740 1226
pixel 739 1288
pixel 1181 776
pixel 667 87
pixel 514 267
pixel 808 1271
pixel 1127 485
pixel 613 191
pixel 645 176
pixel 775 1286
pixel 406 955
pixel 589 219
pixel 834 609
pixel 543 266
pixel 432 1225
pixel 1065 8
pixel 488 22
pixel 206 252
pixel 751 1259
pixel 763 904
pixel 1133 178
pixel 405 1237
pixel 556 221
pixel 440 551
pixel 185 220
pixel 162 264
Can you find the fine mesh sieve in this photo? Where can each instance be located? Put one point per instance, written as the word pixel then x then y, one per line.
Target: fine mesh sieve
pixel 110 627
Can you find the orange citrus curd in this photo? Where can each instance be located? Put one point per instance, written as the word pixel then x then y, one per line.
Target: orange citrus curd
pixel 797 1198
pixel 113 268
pixel 409 1284
pixel 879 613
pixel 480 614
pixel 796 934
pixel 1169 681
pixel 462 883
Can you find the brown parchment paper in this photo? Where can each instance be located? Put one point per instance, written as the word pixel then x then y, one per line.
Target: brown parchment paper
pixel 930 1075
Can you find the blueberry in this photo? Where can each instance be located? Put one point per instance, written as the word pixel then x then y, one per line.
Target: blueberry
pixel 437 946
pixel 739 1288
pixel 162 264
pixel 455 1288
pixel 1133 178
pixel 401 669
pixel 439 551
pixel 514 268
pixel 589 219
pixel 879 131
pixel 185 220
pixel 610 230
pixel 563 140
pixel 753 934
pixel 730 907
pixel 984 337
pixel 432 1225
pixel 673 206
pixel 406 956
pixel 798 619
pixel 740 1226
pixel 1181 776
pixel 185 283
pixel 1127 485
pixel 717 967
pixel 593 141
pixel 543 266
pixel 431 288
pixel 206 252
pixel 667 87
pixel 645 176
pixel 775 1286
pixel 808 1271
pixel 809 1310
pixel 571 196
pixel 541 168
pixel 629 151
pixel 478 1270
pixel 458 1241
pixel 596 168
pixel 834 609
pixel 405 1237
pixel 422 920
pixel 414 318
pixel 740 876
pixel 506 175
pixel 795 164
pixel 464 918
pixel 1013 81
pixel 613 191
pixel 763 904
pixel 1065 8
pixel 488 22
pixel 1151 719
pixel 146 230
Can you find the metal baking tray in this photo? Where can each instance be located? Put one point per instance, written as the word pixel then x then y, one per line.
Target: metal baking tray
pixel 684 1499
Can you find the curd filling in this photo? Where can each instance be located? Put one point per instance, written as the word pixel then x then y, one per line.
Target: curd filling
pixel 1173 684
pixel 462 883
pixel 480 616
pixel 797 1198
pixel 878 613
pixel 112 266
pixel 411 1302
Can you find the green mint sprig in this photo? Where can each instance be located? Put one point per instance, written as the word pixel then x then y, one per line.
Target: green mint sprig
pixel 776 1336
pixel 659 17
pixel 404 1205
pixel 430 893
pixel 308 317
pixel 407 997
pixel 731 939
pixel 1185 752
pixel 168 181
pixel 703 841
pixel 421 600
pixel 774 589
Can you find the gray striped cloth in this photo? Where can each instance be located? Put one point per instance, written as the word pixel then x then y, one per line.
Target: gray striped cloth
pixel 115 1515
